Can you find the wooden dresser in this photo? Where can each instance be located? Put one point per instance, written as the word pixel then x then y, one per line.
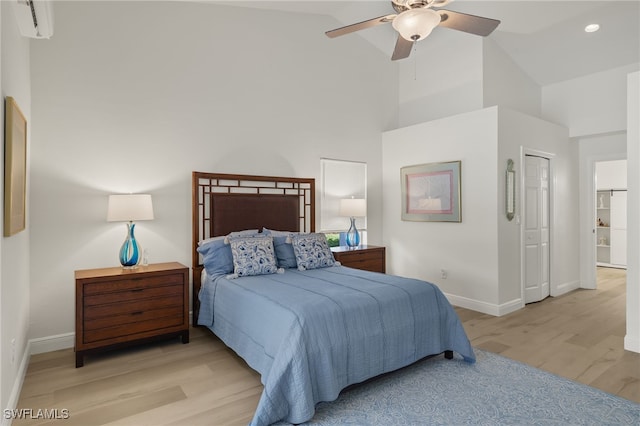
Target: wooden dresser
pixel 369 258
pixel 117 307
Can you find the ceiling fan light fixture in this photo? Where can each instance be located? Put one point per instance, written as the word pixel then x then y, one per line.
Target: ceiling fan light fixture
pixel 416 24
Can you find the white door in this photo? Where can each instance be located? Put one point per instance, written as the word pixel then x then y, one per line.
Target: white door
pixel 618 228
pixel 536 229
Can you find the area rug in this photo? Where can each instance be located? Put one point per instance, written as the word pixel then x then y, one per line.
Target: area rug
pixel 493 391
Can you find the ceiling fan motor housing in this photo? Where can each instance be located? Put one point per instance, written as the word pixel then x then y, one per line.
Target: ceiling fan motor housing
pixel 402 5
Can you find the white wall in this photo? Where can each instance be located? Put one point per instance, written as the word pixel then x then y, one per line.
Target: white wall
pixel 506 84
pixel 590 105
pixel 456 72
pixel 519 133
pixel 468 251
pixel 124 103
pixel 632 338
pixel 480 254
pixel 611 174
pixel 14 250
pixel 442 78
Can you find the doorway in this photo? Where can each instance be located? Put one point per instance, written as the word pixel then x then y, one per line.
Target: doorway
pixel 611 213
pixel 537 227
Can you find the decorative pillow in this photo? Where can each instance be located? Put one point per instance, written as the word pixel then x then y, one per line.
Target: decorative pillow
pixel 275 233
pixel 216 256
pixel 312 251
pixel 253 256
pixel 245 233
pixel 285 256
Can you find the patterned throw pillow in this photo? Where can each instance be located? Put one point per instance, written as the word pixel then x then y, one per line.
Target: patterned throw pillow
pixel 252 256
pixel 312 251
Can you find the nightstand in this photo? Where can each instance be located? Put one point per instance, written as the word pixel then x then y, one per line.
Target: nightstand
pixel 369 258
pixel 116 307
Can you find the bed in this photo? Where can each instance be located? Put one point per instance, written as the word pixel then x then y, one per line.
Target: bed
pixel 310 327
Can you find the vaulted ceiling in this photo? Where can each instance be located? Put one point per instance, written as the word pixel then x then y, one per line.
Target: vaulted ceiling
pixel 545 38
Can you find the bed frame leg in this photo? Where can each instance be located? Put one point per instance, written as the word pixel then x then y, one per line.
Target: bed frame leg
pixel 448 354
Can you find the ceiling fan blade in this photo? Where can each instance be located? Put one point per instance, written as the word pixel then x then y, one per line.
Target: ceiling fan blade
pixel 359 26
pixel 468 23
pixel 402 49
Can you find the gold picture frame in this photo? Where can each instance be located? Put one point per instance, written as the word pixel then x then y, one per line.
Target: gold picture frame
pixel 15 168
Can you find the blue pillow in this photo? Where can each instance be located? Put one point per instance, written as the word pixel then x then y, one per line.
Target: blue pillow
pixel 285 256
pixel 312 251
pixel 216 256
pixel 253 256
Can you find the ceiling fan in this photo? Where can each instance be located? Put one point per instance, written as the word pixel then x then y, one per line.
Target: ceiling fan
pixel 415 20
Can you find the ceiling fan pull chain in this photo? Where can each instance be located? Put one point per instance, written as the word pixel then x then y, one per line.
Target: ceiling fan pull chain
pixel 415 62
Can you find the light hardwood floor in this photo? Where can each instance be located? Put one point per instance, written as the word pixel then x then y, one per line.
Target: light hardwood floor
pixel 578 336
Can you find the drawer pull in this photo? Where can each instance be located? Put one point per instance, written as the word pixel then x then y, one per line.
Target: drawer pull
pixel 137 290
pixel 137 313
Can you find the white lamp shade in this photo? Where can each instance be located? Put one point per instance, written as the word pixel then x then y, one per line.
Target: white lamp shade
pixel 353 207
pixel 129 207
pixel 416 24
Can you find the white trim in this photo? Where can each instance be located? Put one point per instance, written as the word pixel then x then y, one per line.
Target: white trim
pixel 564 288
pixel 631 343
pixel 12 403
pixel 484 307
pixel 588 262
pixel 52 343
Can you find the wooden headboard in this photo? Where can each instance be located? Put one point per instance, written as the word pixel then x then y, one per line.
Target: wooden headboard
pixel 223 203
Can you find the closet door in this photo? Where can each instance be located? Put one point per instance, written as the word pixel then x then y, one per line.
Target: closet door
pixel 619 228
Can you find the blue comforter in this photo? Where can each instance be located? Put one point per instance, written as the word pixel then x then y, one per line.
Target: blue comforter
pixel 312 333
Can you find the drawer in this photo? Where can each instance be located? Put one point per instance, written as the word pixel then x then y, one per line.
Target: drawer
pixel 367 258
pixel 373 265
pixel 129 331
pixel 132 306
pixel 134 294
pixel 362 256
pixel 132 317
pixel 110 285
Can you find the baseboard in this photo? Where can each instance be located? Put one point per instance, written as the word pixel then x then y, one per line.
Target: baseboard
pixel 565 288
pixel 52 343
pixel 485 307
pixel 12 403
pixel 632 343
pixel 61 341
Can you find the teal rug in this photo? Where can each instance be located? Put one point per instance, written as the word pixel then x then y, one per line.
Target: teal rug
pixel 493 391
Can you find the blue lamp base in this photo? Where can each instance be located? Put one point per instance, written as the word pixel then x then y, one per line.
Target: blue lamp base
pixel 353 237
pixel 130 250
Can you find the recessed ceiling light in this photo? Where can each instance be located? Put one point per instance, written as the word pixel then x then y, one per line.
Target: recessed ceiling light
pixel 592 28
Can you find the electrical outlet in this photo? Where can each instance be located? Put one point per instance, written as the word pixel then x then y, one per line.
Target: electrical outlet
pixel 443 274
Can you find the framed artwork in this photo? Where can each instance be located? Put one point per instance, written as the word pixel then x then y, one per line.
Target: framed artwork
pixel 431 192
pixel 15 168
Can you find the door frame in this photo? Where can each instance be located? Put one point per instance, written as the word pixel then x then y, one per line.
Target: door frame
pixel 524 151
pixel 588 260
